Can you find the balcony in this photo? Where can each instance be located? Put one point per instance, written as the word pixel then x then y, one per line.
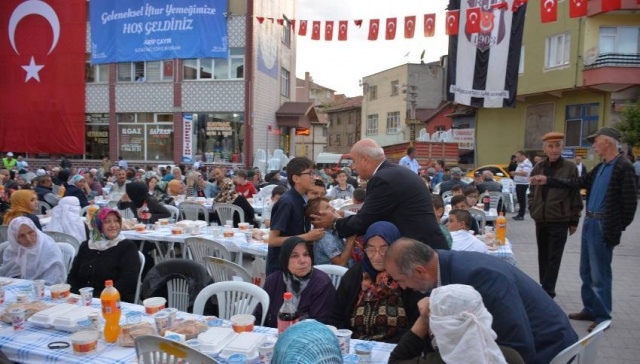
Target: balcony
pixel 612 72
pixel 595 7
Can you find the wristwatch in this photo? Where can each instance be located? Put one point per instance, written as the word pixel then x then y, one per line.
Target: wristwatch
pixel 333 224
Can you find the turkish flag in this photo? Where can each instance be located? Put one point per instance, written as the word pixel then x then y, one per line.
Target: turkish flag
pixel 328 30
pixel 260 19
pixel 315 32
pixel 42 57
pixel 280 21
pixel 293 25
pixel 409 26
pixel 303 28
pixel 358 22
pixel 390 32
pixel 517 4
pixel 608 5
pixel 472 24
pixel 374 26
pixel 548 11
pixel 429 25
pixel 452 22
pixel 577 8
pixel 343 27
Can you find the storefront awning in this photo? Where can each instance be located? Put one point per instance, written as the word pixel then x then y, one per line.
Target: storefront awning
pixel 296 115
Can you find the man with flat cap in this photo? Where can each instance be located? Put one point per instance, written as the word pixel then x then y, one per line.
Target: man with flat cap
pixel 611 205
pixel 556 212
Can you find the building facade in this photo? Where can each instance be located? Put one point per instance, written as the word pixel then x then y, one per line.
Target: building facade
pixel 345 125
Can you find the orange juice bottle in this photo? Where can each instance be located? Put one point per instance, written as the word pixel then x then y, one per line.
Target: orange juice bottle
pixel 501 228
pixel 92 210
pixel 110 299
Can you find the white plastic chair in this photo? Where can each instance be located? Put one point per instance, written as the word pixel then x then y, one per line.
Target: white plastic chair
pixel 143 260
pixel 226 211
pixel 3 246
pixel 4 232
pixel 192 211
pixel 586 349
pixel 60 237
pixel 496 197
pixel 175 212
pixel 480 216
pixel 335 272
pixel 178 294
pixel 199 248
pixel 233 298
pixel 158 350
pixel 446 195
pixel 68 253
pixel 43 207
pixel 127 214
pixel 222 270
pixel 84 211
pixel 353 207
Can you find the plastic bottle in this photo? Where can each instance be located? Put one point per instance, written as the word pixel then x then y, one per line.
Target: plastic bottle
pixel 92 210
pixel 111 311
pixel 486 200
pixel 501 228
pixel 62 190
pixel 145 215
pixel 287 315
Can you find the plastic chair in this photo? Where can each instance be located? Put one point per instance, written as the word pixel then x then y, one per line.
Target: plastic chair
pixel 3 246
pixel 353 207
pixel 496 201
pixel 136 300
pixel 175 212
pixel 222 270
pixel 178 294
pixel 60 237
pixel 43 207
pixel 127 214
pixel 199 248
pixel 154 349
pixel 226 211
pixel 233 298
pixel 446 195
pixel 586 349
pixel 480 216
pixel 335 272
pixel 4 232
pixel 68 253
pixel 192 211
pixel 84 211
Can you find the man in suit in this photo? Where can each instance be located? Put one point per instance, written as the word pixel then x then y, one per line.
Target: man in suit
pixel 394 193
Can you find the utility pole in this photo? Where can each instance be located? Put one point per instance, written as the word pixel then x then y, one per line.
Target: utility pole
pixel 412 98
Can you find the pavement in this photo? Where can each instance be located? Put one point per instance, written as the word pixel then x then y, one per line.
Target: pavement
pixel 620 342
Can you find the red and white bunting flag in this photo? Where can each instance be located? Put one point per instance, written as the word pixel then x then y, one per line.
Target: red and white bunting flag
pixel 343 28
pixel 390 32
pixel 315 30
pixel 472 24
pixel 260 19
pixel 293 25
pixel 328 30
pixel 358 22
pixel 548 11
pixel 429 25
pixel 374 27
pixel 577 8
pixel 500 6
pixel 303 28
pixel 517 4
pixel 452 22
pixel 409 26
pixel 609 5
pixel 280 21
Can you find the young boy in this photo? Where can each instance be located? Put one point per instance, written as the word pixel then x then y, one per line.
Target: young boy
pixel 276 193
pixel 330 249
pixel 287 215
pixel 458 224
pixel 342 190
pixel 460 202
pixel 438 206
pixel 244 187
pixel 358 196
pixel 471 193
pixel 455 191
pixel 318 190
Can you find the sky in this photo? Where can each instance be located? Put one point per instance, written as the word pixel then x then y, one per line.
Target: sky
pixel 339 65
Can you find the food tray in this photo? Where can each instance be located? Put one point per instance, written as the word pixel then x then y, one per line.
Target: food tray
pixel 45 317
pixel 244 343
pixel 215 339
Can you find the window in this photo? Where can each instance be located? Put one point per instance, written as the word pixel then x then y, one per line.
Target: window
pixel 217 136
pixel 372 124
pixel 159 71
pixel 394 88
pixel 96 73
pixel 620 40
pixel 338 139
pixel 373 92
pixel 145 136
pixel 338 120
pixel 284 82
pixel 557 50
pixel 325 131
pixel 521 64
pixel 350 140
pixel 216 68
pixel 286 32
pixel 393 122
pixel 96 136
pixel 581 121
pixel 441 128
pixel 131 71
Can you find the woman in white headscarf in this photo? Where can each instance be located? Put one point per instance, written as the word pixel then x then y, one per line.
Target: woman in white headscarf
pixel 461 331
pixel 65 218
pixel 32 254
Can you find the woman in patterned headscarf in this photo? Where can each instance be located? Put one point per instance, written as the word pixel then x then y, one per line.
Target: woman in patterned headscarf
pixel 368 301
pixel 107 255
pixel 229 195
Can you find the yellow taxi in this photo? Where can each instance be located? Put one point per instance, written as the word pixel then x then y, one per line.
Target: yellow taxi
pixel 499 171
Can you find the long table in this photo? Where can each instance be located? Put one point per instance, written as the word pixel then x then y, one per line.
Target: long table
pixel 30 345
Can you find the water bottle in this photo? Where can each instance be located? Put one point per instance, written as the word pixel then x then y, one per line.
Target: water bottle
pixel 111 311
pixel 287 315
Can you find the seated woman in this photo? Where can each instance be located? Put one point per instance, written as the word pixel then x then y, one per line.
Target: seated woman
pixel 307 342
pixel 106 255
pixel 77 187
pixel 313 292
pixel 31 254
pixel 229 195
pixel 23 203
pixel 368 301
pixel 137 195
pixel 65 218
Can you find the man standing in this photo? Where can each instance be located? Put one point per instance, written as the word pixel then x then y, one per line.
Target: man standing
pixel 8 162
pixel 521 179
pixel 410 160
pixel 394 194
pixel 582 169
pixel 555 211
pixel 122 163
pixel 611 205
pixel 524 317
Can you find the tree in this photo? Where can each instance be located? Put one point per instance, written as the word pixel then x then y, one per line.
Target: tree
pixel 630 124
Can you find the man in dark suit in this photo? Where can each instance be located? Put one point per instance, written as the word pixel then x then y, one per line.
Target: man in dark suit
pixel 488 183
pixel 394 193
pixel 456 179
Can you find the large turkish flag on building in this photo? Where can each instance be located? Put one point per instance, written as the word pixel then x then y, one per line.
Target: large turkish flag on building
pixel 42 88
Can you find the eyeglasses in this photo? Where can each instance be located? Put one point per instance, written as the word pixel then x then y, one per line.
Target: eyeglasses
pixel 311 174
pixel 371 251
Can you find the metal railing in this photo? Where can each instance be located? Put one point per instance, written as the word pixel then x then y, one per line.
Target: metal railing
pixel 615 60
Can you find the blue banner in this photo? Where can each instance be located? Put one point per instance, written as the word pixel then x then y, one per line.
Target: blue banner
pixel 150 30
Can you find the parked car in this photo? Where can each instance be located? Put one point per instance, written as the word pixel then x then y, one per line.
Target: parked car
pixel 499 171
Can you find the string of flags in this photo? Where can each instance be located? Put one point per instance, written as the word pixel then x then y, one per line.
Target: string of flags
pixel 477 20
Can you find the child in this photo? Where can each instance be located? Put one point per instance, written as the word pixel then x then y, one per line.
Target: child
pixel 458 224
pixel 342 190
pixel 358 196
pixel 460 202
pixel 438 206
pixel 471 193
pixel 330 249
pixel 244 187
pixel 455 191
pixel 266 211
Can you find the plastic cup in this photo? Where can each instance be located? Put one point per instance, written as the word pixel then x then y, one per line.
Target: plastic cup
pixel 84 342
pixel 134 317
pixel 237 359
pixel 363 350
pixel 194 344
pixel 344 339
pixel 18 316
pixel 163 221
pixel 86 294
pixel 162 322
pixel 265 352
pixel 350 359
pixel 243 226
pixel 176 230
pixel 242 323
pixel 172 314
pixel 38 289
pixel 229 222
pixel 60 291
pixel 154 304
pixel 139 227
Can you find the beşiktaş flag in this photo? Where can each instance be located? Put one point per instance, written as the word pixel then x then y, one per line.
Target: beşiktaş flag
pixel 483 67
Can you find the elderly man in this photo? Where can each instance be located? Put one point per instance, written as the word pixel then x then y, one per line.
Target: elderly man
pixel 611 205
pixel 555 211
pixel 44 189
pixel 456 180
pixel 521 179
pixel 410 160
pixel 394 194
pixel 121 181
pixel 524 317
pixel 488 183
